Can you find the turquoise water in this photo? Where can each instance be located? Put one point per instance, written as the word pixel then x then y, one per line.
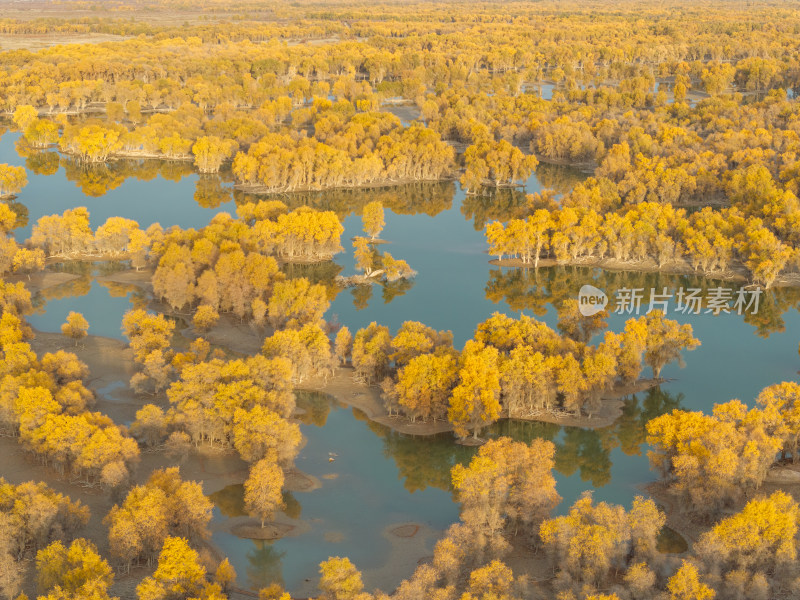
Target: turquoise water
pixel 353 508
pixel 157 200
pixel 383 478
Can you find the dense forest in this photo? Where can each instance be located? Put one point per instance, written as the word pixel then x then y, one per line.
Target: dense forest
pixel 665 136
pixel 685 113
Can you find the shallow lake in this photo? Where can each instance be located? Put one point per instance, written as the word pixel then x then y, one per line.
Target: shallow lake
pixel 381 479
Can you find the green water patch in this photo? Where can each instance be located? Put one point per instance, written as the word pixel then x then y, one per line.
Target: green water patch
pixel 230 502
pixel 671 542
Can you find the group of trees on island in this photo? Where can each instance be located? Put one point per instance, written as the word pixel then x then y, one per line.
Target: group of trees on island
pixel 498 163
pixel 70 235
pixel 165 506
pixel 158 521
pixel 369 260
pixel 241 404
pixel 349 149
pixel 150 339
pixel 278 163
pixel 512 367
pixel 710 242
pixel 231 266
pixel 266 227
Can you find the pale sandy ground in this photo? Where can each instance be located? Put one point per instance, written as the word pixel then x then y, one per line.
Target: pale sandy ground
pixel 140 278
pixel 35 42
pixel 43 280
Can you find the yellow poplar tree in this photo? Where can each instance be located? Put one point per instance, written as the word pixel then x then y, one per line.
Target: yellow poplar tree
pixel 210 152
pixel 686 585
pixel 179 573
pixel 76 326
pixel 340 580
pixel 475 401
pixel 12 179
pixel 262 490
pixel 24 115
pixel 373 219
pixel 27 261
pixel 78 570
